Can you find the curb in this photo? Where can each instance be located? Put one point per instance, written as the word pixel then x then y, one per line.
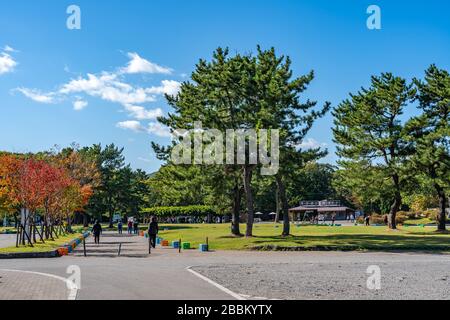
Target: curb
pixel 59 252
pixel 69 247
pixel 29 255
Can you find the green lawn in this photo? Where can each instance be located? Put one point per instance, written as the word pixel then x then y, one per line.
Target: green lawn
pixel 311 237
pixel 42 247
pixel 4 229
pixel 419 221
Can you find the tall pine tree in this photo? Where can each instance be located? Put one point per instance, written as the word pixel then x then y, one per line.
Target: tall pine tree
pixel 430 135
pixel 368 129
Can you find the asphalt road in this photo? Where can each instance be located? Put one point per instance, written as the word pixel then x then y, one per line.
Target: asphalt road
pixel 250 275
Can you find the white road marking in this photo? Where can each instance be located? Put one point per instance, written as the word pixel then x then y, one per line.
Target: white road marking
pixel 70 285
pixel 220 287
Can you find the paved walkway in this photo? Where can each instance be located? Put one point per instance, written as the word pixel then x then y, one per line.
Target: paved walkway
pixel 7 240
pixel 130 246
pixel 163 275
pixel 134 275
pixel 18 285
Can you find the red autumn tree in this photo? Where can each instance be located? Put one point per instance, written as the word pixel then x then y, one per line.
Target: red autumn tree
pixel 9 172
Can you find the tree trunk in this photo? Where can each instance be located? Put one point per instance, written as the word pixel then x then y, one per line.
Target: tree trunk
pixel 396 205
pixel 69 225
pixel 284 206
pixel 111 212
pixel 235 219
pixel 85 220
pixel 111 225
pixel 277 199
pixel 442 216
pixel 249 199
pixel 33 228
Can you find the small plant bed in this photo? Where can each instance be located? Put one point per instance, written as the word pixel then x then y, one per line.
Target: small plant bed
pixel 51 248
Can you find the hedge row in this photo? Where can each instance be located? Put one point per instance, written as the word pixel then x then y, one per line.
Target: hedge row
pixel 197 211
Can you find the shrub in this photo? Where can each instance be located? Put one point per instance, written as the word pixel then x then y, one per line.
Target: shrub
pixel 401 217
pixel 377 219
pixel 194 211
pixel 407 214
pixel 431 214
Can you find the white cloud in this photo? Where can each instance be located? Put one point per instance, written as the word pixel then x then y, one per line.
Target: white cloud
pixel 145 160
pixel 7 63
pixel 132 125
pixel 79 105
pixel 108 87
pixel 9 49
pixel 154 128
pixel 37 96
pixel 141 65
pixel 159 130
pixel 140 113
pixel 113 87
pixel 311 143
pixel 170 87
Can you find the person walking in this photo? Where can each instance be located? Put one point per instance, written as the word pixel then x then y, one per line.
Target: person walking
pixel 367 220
pixel 136 226
pixel 153 230
pixel 97 231
pixel 130 227
pixel 120 227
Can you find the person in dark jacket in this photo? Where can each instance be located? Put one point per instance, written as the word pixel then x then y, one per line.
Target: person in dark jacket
pixel 367 220
pixel 136 226
pixel 153 230
pixel 97 231
pixel 120 227
pixel 130 226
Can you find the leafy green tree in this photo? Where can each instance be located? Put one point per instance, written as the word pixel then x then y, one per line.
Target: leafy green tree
pixel 429 135
pixel 132 196
pixel 246 92
pixel 364 186
pixel 278 97
pixel 178 185
pixel 107 195
pixel 368 129
pixel 312 182
pixel 218 97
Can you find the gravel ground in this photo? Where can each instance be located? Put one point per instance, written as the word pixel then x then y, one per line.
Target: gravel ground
pixel 403 276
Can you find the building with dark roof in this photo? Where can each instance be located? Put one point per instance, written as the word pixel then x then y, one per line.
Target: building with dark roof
pixel 326 208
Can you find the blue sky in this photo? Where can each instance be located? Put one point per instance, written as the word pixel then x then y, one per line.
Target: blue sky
pixel 104 83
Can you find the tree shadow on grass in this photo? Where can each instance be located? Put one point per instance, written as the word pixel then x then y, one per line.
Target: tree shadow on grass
pixel 171 228
pixel 359 241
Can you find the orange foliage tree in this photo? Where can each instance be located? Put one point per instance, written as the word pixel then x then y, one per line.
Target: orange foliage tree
pixel 52 189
